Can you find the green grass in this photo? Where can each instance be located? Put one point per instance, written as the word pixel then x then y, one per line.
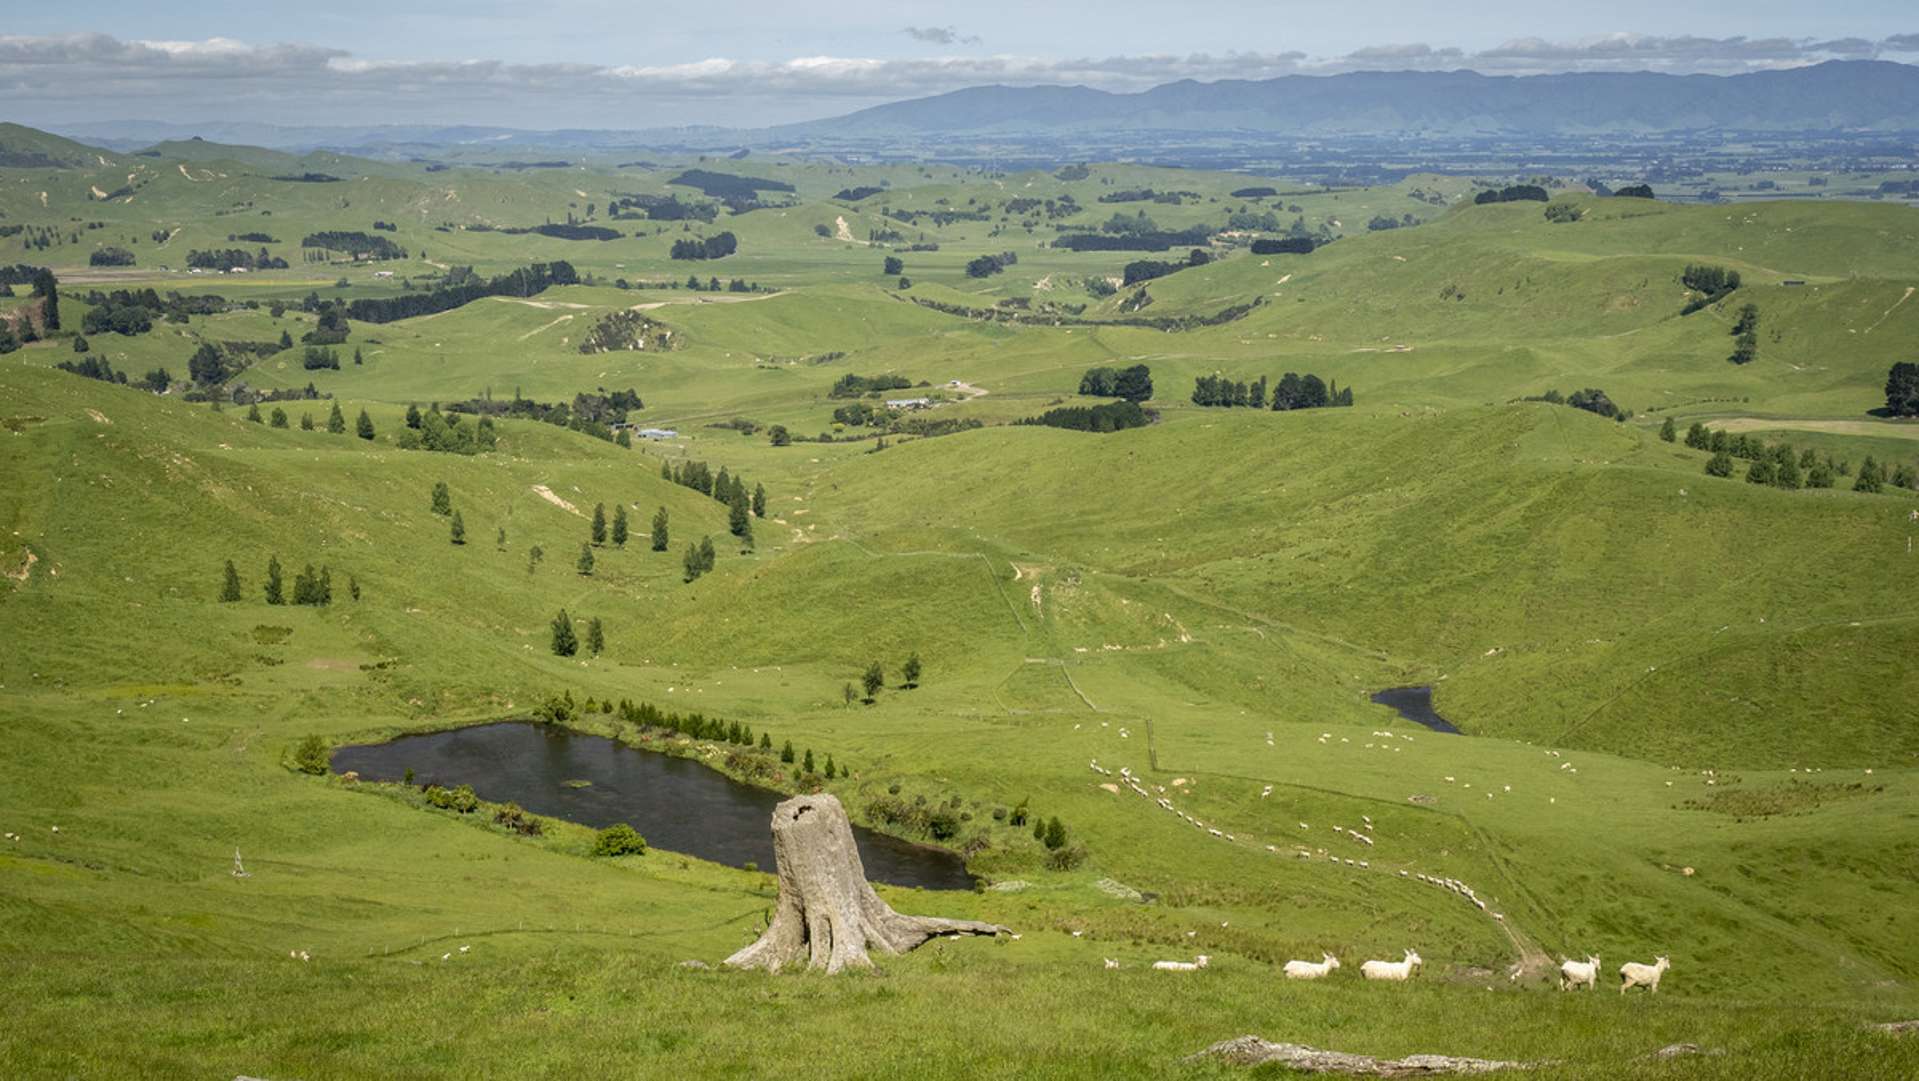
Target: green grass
pixel 1207 601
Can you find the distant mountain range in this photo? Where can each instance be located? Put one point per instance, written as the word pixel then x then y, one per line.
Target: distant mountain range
pixel 1864 96
pixel 1836 96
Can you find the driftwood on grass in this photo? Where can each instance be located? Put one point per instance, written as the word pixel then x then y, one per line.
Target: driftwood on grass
pixel 1253 1051
pixel 828 916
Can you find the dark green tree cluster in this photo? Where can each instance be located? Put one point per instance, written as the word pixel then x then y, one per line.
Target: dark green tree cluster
pixel 448 433
pixel 1514 193
pixel 1745 333
pixel 717 246
pixel 313 588
pixel 1711 284
pixel 1110 417
pixel 724 488
pixel 1902 389
pixel 1134 384
pixel 1781 465
pixel 1293 391
pixel 524 282
pixel 699 558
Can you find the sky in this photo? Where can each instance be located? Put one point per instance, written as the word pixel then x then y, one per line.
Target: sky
pixel 747 63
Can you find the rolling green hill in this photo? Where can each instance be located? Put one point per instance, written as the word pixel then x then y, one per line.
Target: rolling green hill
pixel 1685 698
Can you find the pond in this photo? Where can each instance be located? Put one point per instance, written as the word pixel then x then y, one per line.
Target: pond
pixel 675 803
pixel 1416 705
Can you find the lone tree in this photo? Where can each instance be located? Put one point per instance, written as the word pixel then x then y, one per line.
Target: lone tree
pixel 276 593
pixel 565 643
pixel 873 680
pixel 585 565
pixel 442 498
pixel 459 529
pixel 364 426
pixel 910 673
pixel 759 501
pixel 595 637
pixel 1669 431
pixel 659 530
pixel 619 525
pixel 828 917
pixel 1902 389
pixel 599 523
pixel 336 421
pixel 231 590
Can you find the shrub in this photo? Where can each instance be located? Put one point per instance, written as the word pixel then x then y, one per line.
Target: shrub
pixel 619 839
pixel 312 756
pixel 459 799
pixel 514 818
pixel 1065 859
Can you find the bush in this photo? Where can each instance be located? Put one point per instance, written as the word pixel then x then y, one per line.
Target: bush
pixel 619 839
pixel 1065 859
pixel 459 799
pixel 312 756
pixel 516 819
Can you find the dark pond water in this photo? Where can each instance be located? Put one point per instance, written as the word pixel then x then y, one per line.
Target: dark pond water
pixel 1416 705
pixel 675 803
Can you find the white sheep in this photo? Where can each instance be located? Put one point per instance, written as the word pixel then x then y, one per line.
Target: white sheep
pixel 1574 973
pixel 1308 970
pixel 1395 971
pixel 1633 974
pixel 1111 963
pixel 1194 965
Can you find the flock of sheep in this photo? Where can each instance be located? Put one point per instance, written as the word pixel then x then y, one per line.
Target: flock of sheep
pixel 1571 973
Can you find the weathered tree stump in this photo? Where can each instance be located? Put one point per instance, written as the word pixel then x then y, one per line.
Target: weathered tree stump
pixel 828 916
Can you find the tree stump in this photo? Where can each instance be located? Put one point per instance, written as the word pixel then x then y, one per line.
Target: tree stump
pixel 828 915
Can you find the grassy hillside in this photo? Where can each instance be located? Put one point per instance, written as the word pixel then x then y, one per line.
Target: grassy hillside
pixel 1685 697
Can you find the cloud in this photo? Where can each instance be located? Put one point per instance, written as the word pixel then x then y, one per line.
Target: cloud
pixel 87 76
pixel 940 35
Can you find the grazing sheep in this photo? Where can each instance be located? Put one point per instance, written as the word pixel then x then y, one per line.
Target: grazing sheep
pixel 1194 965
pixel 1574 973
pixel 1307 970
pixel 1633 974
pixel 1395 971
pixel 1111 963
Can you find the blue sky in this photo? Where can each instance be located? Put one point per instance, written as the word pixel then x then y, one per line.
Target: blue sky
pixel 598 63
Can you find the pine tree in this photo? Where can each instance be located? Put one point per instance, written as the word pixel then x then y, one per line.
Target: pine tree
pixel 459 529
pixel 277 418
pixel 357 358
pixel 910 673
pixel 306 422
pixel 1720 465
pixel 585 564
pixel 786 752
pixel 619 525
pixel 759 501
pixel 766 741
pixel 599 523
pixel 413 419
pixel 231 590
pixel 1870 478
pixel 253 413
pixel 275 593
pixel 442 498
pixel 659 530
pixel 1669 431
pixel 829 767
pixel 807 766
pixel 1055 838
pixel 353 587
pixel 336 421
pixel 666 471
pixel 706 554
pixel 564 642
pixel 364 426
pixel 324 588
pixel 873 680
pixel 595 636
pixel 737 517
